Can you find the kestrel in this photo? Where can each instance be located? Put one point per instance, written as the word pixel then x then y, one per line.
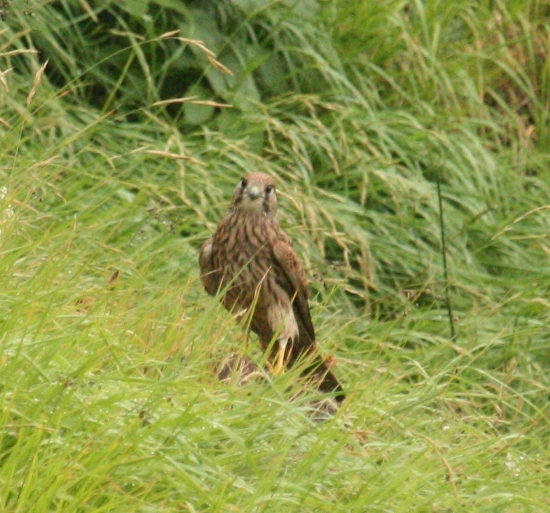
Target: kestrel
pixel 251 262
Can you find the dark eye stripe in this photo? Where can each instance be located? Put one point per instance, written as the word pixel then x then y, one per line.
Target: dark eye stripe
pixel 244 183
pixel 269 189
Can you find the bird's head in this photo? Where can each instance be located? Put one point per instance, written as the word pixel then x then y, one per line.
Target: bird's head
pixel 255 193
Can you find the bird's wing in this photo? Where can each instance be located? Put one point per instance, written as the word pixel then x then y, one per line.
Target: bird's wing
pixel 210 277
pixel 287 259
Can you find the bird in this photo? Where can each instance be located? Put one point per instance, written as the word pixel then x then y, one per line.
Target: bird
pixel 251 264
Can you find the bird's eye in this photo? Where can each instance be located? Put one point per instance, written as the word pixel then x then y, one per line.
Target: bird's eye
pixel 244 183
pixel 269 189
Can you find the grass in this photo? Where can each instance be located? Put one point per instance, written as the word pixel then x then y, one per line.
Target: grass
pixel 108 348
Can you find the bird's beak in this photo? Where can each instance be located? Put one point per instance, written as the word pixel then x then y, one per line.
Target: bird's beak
pixel 253 193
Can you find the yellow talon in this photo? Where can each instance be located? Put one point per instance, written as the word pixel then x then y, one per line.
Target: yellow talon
pixel 279 366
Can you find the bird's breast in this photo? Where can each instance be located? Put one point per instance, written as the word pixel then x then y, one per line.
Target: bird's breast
pixel 241 249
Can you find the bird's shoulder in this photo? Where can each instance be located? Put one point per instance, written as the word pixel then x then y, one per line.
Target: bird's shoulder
pixel 205 255
pixel 210 277
pixel 286 257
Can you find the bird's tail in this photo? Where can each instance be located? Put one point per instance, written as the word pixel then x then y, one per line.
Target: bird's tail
pixel 315 368
pixel 327 381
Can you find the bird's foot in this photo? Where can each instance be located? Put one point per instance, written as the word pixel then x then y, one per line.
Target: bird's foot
pixel 279 366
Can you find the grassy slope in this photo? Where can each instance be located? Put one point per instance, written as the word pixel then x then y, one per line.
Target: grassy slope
pixel 109 399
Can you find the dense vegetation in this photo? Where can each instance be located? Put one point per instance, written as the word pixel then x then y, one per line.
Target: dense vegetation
pixel 411 143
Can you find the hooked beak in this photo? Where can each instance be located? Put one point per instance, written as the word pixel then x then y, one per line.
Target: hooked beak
pixel 253 193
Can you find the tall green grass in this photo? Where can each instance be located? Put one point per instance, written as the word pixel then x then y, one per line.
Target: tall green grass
pixel 109 346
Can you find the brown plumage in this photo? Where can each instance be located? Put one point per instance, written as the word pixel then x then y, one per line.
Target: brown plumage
pixel 252 262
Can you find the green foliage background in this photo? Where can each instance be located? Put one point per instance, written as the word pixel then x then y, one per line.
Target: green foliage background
pixel 124 127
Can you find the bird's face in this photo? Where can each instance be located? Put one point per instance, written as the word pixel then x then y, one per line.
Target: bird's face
pixel 255 193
